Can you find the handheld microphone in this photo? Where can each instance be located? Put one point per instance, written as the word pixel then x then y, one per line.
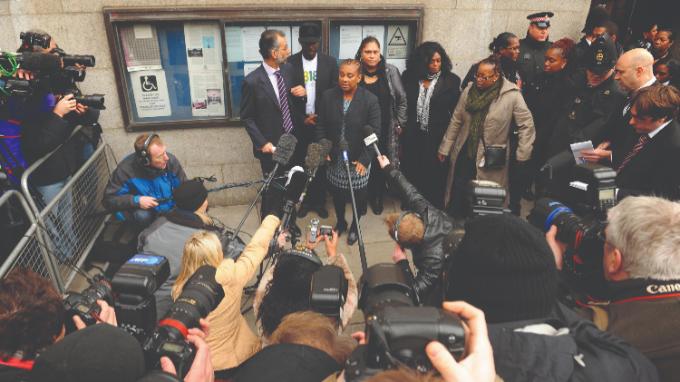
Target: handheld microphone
pixel 284 149
pixel 371 139
pixel 315 156
pixel 344 150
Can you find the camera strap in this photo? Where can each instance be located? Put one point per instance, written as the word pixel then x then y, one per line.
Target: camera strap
pixel 640 290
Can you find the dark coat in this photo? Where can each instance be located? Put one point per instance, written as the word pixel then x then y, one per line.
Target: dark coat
pixel 583 354
pixel 363 111
pixel 531 58
pixel 260 110
pixel 326 77
pixel 654 170
pixel 587 114
pixel 644 321
pixel 429 256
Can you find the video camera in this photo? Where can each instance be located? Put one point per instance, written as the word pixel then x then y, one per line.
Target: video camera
pixel 397 330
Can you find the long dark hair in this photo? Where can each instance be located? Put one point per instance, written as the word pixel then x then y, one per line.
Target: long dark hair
pixel 421 57
pixel 501 41
pixel 287 292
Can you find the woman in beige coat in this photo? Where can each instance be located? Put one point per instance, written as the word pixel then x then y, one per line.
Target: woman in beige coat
pixel 482 118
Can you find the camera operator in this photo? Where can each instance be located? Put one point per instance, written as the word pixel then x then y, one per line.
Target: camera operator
pixel 142 184
pixel 305 347
pixel 167 234
pixel 646 160
pixel 285 287
pixel 504 266
pixel 31 318
pixel 642 270
pixel 421 228
pixel 231 340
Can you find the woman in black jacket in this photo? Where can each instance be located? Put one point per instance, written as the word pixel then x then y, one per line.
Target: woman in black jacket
pixel 345 113
pixel 384 81
pixel 432 91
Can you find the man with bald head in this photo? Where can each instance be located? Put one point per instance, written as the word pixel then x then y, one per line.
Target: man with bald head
pixel 633 71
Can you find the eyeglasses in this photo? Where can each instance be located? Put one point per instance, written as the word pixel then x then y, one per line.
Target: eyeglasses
pixel 484 78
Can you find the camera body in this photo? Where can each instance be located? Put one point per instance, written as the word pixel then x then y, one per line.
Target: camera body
pixel 84 304
pixel 31 39
pixel 328 291
pixel 397 330
pixel 485 198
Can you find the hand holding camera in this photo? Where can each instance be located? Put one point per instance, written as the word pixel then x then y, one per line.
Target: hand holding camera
pixel 65 105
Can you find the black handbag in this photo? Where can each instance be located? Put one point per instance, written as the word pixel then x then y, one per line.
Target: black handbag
pixel 494 155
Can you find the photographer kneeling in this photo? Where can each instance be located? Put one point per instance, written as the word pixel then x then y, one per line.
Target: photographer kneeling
pixel 422 228
pixel 231 340
pixel 642 267
pixel 285 287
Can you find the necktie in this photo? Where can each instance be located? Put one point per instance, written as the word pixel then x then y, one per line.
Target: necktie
pixel 283 103
pixel 636 149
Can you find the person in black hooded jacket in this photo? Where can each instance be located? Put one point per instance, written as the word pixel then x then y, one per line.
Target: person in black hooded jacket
pixel 422 228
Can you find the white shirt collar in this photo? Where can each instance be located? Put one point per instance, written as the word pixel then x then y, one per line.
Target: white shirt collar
pixel 648 83
pixel 651 134
pixel 270 71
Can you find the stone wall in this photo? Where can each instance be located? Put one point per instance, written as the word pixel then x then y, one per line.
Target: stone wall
pixel 463 27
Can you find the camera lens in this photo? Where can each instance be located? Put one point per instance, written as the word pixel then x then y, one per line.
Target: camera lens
pixel 200 295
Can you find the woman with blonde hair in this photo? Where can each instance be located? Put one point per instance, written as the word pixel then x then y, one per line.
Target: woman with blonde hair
pixel 231 340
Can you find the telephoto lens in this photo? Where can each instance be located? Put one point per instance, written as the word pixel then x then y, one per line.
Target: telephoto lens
pixel 200 296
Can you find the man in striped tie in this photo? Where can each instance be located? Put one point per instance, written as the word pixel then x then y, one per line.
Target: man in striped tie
pixel 647 163
pixel 266 108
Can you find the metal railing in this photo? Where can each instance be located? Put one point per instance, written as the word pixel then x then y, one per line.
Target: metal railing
pixel 31 251
pixel 64 231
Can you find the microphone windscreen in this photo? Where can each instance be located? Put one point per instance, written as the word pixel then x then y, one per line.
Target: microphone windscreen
pixel 40 62
pixel 284 149
pixel 314 156
pixel 296 186
pixel 326 147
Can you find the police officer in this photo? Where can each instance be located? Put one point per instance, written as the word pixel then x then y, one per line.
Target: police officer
pixel 596 97
pixel 532 48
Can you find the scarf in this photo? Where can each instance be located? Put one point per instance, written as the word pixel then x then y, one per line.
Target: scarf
pixel 477 104
pixel 423 105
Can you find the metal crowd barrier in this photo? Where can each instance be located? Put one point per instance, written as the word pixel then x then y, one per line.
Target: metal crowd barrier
pixel 32 250
pixel 65 229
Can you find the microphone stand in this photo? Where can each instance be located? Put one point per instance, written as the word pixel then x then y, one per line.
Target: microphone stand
pixel 362 249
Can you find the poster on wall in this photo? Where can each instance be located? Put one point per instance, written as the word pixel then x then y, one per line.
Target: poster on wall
pixel 140 47
pixel 151 93
pixel 397 42
pixel 250 40
pixel 350 39
pixel 204 62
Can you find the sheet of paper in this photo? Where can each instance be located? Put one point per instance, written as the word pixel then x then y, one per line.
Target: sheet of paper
pixel 140 53
pixel 207 93
pixel 397 41
pixel 294 44
pixel 350 39
pixel 377 31
pixel 248 67
pixel 250 38
pixel 234 44
pixel 576 149
pixel 203 51
pixel 150 90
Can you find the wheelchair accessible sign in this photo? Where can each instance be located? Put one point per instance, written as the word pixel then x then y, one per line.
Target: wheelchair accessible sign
pixel 151 93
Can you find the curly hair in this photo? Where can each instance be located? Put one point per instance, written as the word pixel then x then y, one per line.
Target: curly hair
pixel 420 58
pixel 565 45
pixel 31 313
pixel 287 292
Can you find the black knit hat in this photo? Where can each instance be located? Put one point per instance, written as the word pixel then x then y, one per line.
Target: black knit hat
pixel 503 266
pixel 190 195
pixel 99 353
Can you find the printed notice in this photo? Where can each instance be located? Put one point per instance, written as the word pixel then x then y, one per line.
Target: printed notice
pixel 202 52
pixel 204 61
pixel 250 37
pixel 151 93
pixel 350 39
pixel 234 44
pixel 140 47
pixel 397 41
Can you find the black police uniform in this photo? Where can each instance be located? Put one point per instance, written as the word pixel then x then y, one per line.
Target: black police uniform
pixel 532 52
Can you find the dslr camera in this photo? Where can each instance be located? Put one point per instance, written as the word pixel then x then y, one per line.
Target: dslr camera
pixel 84 304
pixel 397 330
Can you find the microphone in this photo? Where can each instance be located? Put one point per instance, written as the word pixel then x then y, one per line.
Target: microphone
pixel 371 139
pixel 326 147
pixel 344 150
pixel 295 185
pixel 315 156
pixel 284 149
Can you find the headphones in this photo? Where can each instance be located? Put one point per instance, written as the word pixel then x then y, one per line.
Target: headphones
pixel 401 216
pixel 143 154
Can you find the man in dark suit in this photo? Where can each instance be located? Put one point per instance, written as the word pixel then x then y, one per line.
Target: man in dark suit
pixel 267 109
pixel 312 73
pixel 648 165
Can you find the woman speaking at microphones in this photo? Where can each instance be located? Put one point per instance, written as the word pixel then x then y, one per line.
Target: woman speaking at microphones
pixel 343 114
